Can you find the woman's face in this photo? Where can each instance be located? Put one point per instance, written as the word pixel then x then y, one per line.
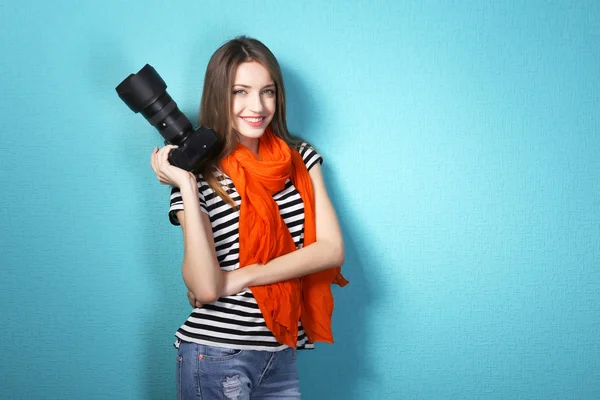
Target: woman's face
pixel 253 101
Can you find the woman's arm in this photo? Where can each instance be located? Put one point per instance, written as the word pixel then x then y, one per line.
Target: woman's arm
pixel 200 268
pixel 326 252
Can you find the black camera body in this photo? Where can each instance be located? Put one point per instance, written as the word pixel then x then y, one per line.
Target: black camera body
pixel 146 92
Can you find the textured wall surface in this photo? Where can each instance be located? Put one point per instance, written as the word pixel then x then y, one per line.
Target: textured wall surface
pixel 462 153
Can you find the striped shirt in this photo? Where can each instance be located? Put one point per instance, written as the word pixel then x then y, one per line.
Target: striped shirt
pixel 236 321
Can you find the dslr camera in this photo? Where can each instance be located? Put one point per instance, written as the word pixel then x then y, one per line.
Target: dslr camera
pixel 146 92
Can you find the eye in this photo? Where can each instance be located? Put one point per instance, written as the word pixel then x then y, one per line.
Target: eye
pixel 269 92
pixel 239 91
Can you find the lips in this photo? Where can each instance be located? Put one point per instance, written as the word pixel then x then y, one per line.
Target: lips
pixel 253 121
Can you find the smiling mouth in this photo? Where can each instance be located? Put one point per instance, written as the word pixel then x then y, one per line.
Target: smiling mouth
pixel 253 121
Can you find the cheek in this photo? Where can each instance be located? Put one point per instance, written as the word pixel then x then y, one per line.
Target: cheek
pixel 236 106
pixel 271 105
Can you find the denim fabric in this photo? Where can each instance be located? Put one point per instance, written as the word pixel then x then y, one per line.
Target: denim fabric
pixel 213 373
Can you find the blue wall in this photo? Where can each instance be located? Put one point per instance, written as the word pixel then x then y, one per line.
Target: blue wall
pixel 462 152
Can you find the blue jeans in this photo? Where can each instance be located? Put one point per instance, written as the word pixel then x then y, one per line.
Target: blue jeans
pixel 213 373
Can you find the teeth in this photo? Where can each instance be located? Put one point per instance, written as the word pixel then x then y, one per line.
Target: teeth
pixel 254 119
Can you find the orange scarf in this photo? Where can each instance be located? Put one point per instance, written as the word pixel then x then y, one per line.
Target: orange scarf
pixel 265 236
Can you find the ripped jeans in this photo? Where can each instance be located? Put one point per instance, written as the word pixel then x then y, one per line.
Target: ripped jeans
pixel 213 373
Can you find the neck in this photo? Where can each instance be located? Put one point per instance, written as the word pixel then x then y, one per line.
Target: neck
pixel 251 144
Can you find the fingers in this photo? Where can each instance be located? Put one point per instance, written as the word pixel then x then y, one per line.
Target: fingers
pixel 192 300
pixel 162 158
pixel 159 161
pixel 153 160
pixel 163 155
pixel 157 169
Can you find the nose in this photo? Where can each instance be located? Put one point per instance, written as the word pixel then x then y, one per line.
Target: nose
pixel 256 104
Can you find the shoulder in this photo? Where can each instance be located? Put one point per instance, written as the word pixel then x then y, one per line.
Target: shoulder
pixel 309 154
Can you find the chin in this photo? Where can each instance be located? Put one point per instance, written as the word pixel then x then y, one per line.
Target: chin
pixel 251 133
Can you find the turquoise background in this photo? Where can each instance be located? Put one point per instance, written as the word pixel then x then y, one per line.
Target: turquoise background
pixel 462 153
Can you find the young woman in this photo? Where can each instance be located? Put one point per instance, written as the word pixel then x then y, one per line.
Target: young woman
pixel 262 243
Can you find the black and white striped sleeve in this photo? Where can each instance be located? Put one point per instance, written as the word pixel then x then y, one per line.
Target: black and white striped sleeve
pixel 310 156
pixel 176 202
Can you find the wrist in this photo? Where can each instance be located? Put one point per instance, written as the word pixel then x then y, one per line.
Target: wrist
pixel 235 281
pixel 249 275
pixel 189 187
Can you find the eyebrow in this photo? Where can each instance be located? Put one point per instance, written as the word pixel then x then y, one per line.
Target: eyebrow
pixel 250 87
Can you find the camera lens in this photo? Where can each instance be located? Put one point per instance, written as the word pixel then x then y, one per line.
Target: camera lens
pixel 146 92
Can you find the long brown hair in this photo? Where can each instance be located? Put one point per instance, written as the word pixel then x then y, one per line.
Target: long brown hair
pixel 215 107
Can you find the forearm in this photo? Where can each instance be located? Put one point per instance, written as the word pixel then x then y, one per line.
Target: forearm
pixel 327 252
pixel 200 268
pixel 317 257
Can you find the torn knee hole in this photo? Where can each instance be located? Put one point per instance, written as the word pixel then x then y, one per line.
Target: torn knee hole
pixel 232 387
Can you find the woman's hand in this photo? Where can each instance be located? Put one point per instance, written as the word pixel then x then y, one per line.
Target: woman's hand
pixel 192 299
pixel 166 173
pixel 233 283
pixel 237 280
